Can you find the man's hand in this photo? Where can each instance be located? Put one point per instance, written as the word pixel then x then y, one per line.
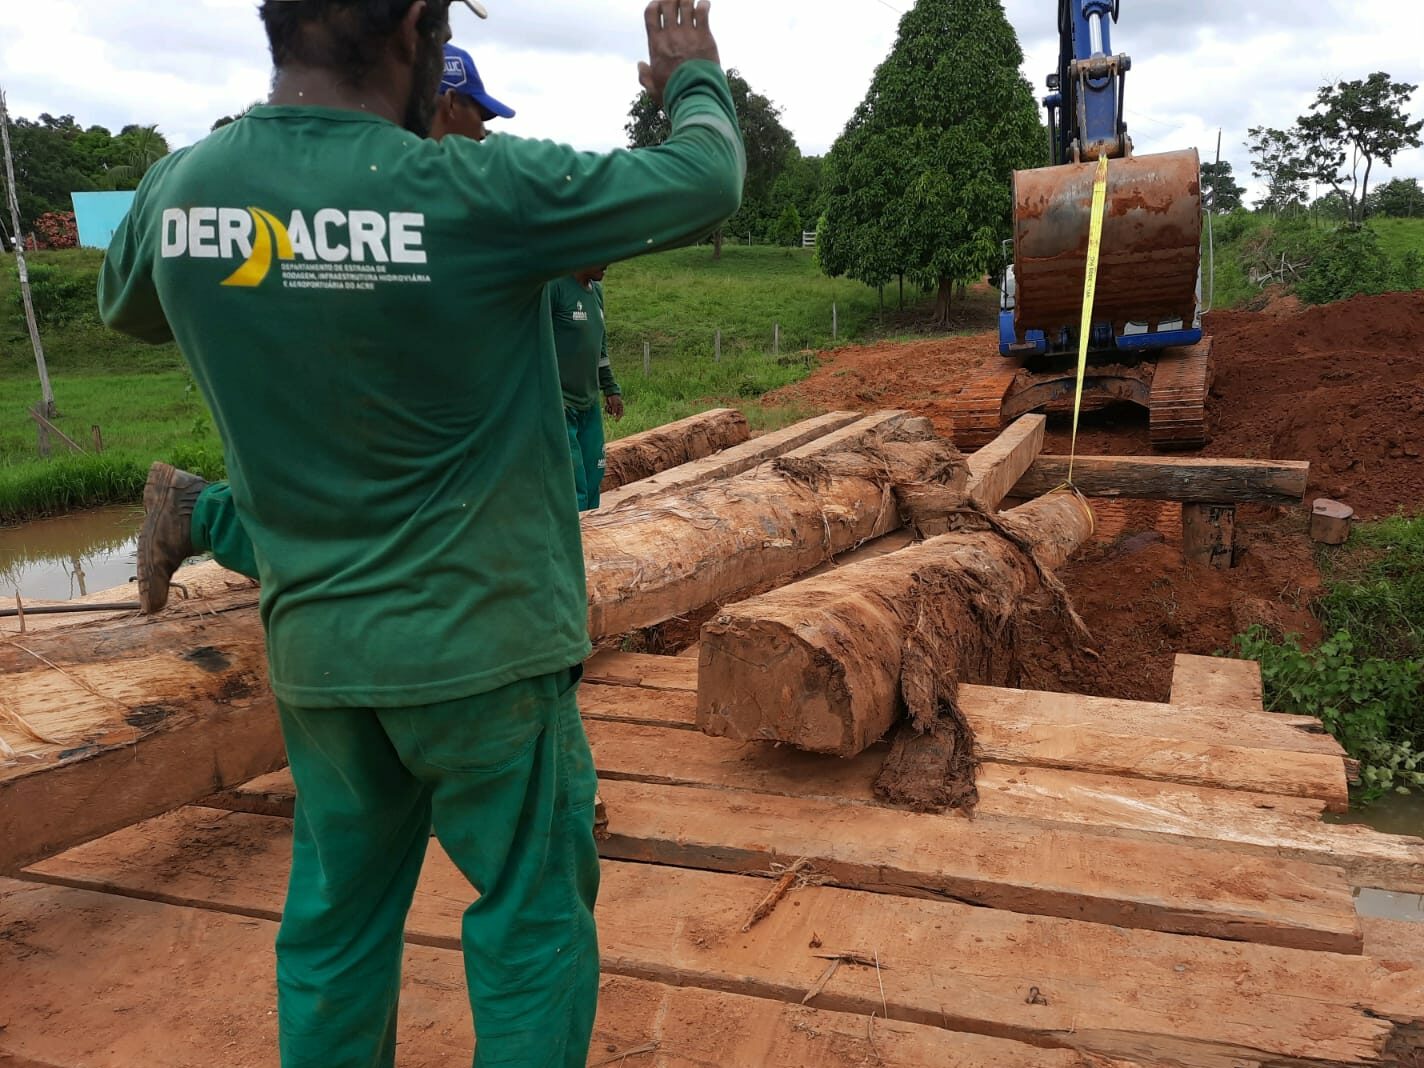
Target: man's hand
pixel 677 32
pixel 613 405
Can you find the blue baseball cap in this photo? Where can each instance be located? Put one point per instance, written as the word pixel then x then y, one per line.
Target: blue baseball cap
pixel 461 76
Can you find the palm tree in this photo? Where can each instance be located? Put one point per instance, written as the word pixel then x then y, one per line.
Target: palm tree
pixel 143 147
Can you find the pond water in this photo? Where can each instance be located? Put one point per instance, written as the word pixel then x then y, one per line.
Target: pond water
pixel 69 556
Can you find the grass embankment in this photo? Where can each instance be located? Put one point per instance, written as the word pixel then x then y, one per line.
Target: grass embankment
pixel 1334 265
pixel 1366 679
pixel 143 399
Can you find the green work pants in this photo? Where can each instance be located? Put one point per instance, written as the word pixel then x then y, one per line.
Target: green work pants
pixel 586 444
pixel 216 529
pixel 508 781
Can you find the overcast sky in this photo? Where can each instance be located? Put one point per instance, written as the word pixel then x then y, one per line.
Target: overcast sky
pixel 569 67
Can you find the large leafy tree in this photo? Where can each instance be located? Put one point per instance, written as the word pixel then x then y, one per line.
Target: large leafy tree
pixel 1352 127
pixel 919 183
pixel 1219 187
pixel 1275 160
pixel 769 144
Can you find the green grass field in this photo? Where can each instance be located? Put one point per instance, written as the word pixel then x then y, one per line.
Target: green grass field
pixel 143 399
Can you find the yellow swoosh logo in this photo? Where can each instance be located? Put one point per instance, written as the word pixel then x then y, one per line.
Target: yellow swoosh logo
pixel 255 268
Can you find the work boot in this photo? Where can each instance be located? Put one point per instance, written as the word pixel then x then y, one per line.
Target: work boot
pixel 166 538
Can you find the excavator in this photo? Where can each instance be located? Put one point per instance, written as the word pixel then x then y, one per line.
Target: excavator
pixel 1146 345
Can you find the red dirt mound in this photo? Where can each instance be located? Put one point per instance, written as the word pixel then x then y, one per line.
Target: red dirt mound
pixel 1341 386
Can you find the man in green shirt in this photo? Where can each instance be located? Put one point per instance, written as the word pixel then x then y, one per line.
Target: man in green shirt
pixel 364 311
pixel 581 340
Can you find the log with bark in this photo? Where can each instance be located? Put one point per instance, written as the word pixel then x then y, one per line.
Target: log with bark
pixel 833 663
pixel 640 455
pixel 654 560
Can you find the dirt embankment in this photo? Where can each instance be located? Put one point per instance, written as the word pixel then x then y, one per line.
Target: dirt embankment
pixel 1341 386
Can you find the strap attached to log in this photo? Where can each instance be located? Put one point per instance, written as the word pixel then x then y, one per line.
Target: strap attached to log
pixel 1090 288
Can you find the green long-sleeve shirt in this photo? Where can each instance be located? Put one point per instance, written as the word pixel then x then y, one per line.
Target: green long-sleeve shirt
pixel 581 342
pixel 365 313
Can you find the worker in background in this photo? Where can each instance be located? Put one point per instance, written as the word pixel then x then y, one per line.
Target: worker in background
pixel 581 340
pixel 364 312
pixel 463 108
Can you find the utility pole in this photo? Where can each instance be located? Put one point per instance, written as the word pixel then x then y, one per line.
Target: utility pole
pixel 46 390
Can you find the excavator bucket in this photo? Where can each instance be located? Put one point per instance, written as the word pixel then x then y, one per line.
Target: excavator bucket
pixel 1151 243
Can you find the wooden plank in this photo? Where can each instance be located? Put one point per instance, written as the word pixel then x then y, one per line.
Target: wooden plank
pixel 1022 868
pixel 732 461
pixel 1217 682
pixel 1171 478
pixel 111 724
pixel 890 424
pixel 1394 940
pixel 1028 798
pixel 642 455
pixel 1209 535
pixel 999 465
pixel 1212 1003
pixel 1196 747
pixel 112 982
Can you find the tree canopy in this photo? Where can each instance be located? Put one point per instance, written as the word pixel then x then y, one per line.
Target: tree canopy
pixel 1219 187
pixel 769 144
pixel 1401 198
pixel 55 156
pixel 919 183
pixel 1350 128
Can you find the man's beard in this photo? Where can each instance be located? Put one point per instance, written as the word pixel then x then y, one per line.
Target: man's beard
pixel 424 88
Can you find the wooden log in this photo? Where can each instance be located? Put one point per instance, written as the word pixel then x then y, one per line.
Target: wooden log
pixel 1217 682
pixel 828 664
pixel 731 461
pixel 108 725
pixel 944 964
pixel 649 562
pixel 1209 535
pixel 663 447
pixel 98 956
pixel 1330 522
pixel 998 466
pixel 1167 478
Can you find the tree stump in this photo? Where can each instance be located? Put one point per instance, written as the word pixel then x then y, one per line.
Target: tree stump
pixel 1209 534
pixel 1330 521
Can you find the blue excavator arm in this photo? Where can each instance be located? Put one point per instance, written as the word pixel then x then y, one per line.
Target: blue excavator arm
pixel 1086 91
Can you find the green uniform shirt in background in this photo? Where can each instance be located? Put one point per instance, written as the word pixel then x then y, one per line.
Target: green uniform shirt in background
pixel 365 313
pixel 581 341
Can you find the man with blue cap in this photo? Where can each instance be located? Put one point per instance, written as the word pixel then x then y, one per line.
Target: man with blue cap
pixel 464 105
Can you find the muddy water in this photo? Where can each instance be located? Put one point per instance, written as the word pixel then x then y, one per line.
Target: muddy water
pixel 69 556
pixel 1394 814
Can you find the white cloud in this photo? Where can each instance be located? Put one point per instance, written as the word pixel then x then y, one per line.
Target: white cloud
pixel 569 67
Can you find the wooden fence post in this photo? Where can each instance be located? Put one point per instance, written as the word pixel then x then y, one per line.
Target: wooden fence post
pixel 97 436
pixel 647 357
pixel 776 339
pixel 835 323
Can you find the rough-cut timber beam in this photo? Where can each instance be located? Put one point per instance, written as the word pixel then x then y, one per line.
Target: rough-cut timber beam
pixel 104 726
pixel 651 561
pixel 828 664
pixel 731 461
pixel 994 469
pixel 640 455
pixel 1165 478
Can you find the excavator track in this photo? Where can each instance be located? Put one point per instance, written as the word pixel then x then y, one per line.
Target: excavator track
pixel 1178 400
pixel 978 410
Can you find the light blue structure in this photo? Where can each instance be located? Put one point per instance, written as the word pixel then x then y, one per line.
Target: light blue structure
pixel 97 215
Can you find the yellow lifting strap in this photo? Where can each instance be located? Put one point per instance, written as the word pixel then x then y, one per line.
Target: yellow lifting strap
pixel 1090 287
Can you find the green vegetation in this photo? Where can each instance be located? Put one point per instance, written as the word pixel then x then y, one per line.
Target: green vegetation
pixel 144 401
pixel 1314 257
pixel 1366 679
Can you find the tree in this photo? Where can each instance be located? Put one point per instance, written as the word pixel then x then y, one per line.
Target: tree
pixel 1276 160
pixel 919 183
pixel 769 146
pixel 140 147
pixel 1219 188
pixel 1402 198
pixel 1352 126
pixel 788 227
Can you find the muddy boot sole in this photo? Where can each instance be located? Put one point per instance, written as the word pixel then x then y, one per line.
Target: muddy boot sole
pixel 156 566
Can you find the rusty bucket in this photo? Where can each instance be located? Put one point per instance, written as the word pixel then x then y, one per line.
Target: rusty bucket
pixel 1151 247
